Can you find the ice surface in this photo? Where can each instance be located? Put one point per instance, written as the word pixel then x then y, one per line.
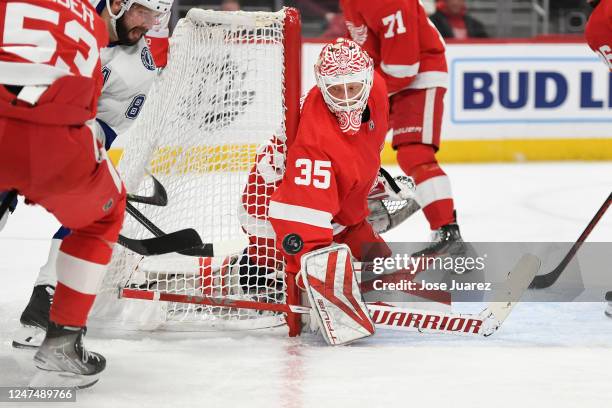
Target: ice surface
pixel 546 355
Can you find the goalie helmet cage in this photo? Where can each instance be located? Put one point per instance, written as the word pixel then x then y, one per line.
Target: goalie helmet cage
pixel 232 84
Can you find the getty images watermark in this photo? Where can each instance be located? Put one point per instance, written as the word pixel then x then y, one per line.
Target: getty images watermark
pixel 480 271
pixel 47 394
pixel 412 265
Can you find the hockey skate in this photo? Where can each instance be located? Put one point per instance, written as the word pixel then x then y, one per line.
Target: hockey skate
pixel 63 361
pixel 447 242
pixel 35 318
pixel 609 307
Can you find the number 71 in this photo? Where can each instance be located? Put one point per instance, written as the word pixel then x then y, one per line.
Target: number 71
pixel 390 22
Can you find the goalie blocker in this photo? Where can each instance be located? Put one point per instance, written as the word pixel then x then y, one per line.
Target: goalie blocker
pixel 333 292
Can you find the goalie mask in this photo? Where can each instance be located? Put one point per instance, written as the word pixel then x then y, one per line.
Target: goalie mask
pixel 344 74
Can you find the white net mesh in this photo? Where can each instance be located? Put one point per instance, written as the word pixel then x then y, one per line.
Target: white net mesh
pixel 218 101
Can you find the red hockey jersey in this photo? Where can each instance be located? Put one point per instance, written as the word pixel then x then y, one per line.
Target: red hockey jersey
pixel 406 47
pixel 42 41
pixel 598 31
pixel 328 175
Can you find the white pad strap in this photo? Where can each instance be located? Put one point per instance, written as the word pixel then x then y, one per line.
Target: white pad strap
pixel 333 291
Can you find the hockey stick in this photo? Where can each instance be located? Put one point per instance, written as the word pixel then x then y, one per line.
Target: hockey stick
pixel 197 249
pixel 384 316
pixel 201 249
pixel 159 196
pixel 174 242
pixel 6 203
pixel 548 279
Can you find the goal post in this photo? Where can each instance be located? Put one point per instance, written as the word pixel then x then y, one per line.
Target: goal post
pixel 231 86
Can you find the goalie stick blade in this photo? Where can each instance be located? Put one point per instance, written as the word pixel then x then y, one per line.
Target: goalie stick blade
pixel 517 282
pixel 159 196
pixel 482 324
pixel 177 241
pixel 548 279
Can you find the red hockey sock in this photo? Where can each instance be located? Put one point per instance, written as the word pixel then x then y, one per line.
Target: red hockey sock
pixel 433 186
pixel 70 307
pixel 78 282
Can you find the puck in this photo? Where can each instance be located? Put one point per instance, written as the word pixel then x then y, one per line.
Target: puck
pixel 292 244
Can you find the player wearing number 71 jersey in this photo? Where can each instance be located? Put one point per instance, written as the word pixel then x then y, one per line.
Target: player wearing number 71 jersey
pixel 50 80
pixel 409 53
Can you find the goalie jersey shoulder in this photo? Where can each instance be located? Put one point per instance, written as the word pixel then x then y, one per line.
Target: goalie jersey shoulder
pixel 128 73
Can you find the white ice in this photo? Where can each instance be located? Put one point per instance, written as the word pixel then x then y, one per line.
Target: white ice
pixel 545 355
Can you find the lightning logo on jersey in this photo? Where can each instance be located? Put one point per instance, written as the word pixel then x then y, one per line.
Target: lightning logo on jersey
pixel 147 59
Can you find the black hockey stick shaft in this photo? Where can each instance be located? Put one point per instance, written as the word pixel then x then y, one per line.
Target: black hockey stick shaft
pixel 8 199
pixel 140 217
pixel 191 250
pixel 548 279
pixel 159 196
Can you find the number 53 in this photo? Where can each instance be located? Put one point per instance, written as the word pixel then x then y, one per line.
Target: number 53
pixel 318 175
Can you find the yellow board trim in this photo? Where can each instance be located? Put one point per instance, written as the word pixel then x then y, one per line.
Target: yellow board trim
pixel 482 151
pixel 516 150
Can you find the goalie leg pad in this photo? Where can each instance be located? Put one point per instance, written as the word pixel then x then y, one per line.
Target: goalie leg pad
pixel 333 291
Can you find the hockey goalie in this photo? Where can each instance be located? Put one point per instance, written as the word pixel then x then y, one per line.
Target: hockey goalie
pixel 318 213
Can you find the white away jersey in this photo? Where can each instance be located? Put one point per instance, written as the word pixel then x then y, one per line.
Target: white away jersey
pixel 128 73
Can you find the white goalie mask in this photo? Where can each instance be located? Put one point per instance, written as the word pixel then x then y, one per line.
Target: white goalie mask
pixel 344 74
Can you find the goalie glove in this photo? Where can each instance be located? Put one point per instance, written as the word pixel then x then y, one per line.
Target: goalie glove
pixel 386 187
pixel 334 295
pixel 391 201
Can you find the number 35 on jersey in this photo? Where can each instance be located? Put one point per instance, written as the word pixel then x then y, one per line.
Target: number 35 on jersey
pixel 313 172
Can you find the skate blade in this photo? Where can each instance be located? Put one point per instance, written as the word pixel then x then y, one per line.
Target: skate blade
pixel 29 337
pixel 62 379
pixel 608 312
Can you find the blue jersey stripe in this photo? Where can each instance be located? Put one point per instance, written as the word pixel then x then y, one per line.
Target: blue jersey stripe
pixel 109 133
pixel 100 6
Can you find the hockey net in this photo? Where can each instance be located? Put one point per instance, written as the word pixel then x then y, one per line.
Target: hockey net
pixel 231 85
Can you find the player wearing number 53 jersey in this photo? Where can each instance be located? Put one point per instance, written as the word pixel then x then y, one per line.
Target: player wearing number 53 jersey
pixel 128 71
pixel 50 80
pixel 410 54
pixel 598 31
